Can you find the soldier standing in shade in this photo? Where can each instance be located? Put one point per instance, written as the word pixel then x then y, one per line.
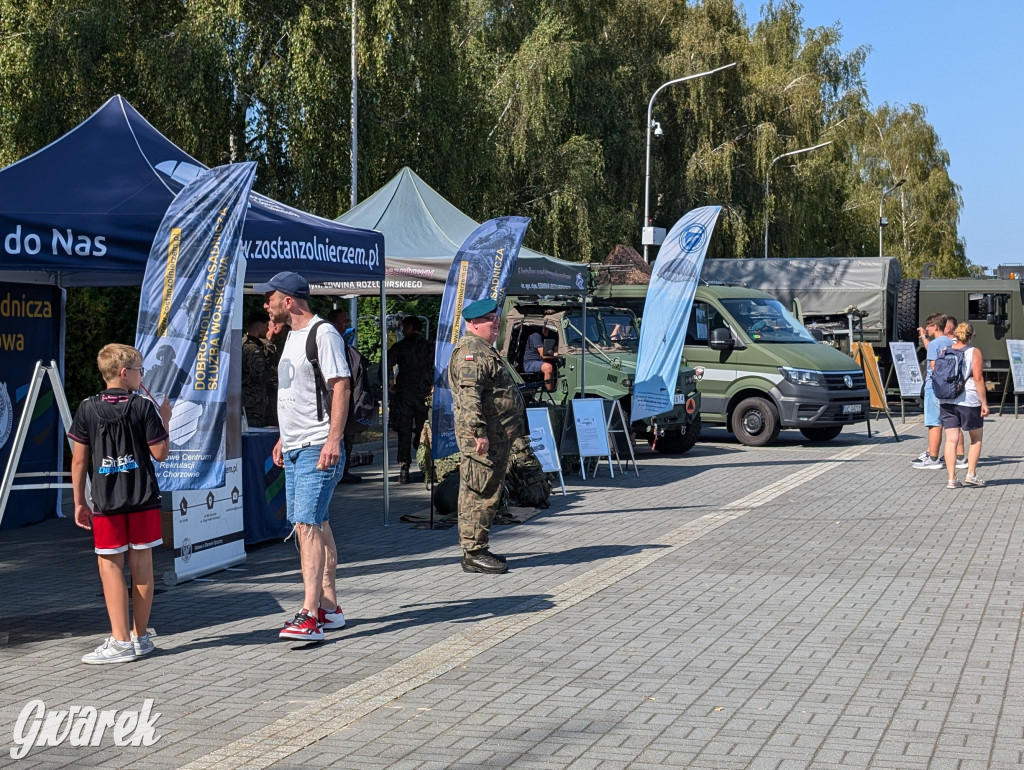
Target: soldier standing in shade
pixel 488 416
pixel 257 356
pixel 277 333
pixel 414 357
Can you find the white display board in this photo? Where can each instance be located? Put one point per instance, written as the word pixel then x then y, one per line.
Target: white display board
pixel 209 533
pixel 908 369
pixel 1015 348
pixel 542 439
pixel 591 429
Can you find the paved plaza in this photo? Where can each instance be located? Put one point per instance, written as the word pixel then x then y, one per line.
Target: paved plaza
pixel 802 605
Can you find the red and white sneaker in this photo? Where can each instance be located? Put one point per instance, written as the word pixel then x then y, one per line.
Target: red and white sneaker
pixel 303 628
pixel 330 620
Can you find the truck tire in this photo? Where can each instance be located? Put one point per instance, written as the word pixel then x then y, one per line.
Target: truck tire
pixel 679 442
pixel 906 310
pixel 755 421
pixel 822 434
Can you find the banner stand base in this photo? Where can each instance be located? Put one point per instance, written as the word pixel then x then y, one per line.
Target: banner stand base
pixel 172 578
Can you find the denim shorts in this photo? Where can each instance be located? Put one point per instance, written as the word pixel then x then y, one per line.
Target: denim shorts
pixel 931 409
pixel 308 491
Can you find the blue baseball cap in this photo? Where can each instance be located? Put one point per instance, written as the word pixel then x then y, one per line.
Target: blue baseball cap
pixel 479 309
pixel 292 284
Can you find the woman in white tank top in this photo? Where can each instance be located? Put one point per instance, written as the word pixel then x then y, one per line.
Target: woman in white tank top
pixel 966 412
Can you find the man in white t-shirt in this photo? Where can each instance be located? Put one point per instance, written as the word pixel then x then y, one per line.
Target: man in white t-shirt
pixel 310 448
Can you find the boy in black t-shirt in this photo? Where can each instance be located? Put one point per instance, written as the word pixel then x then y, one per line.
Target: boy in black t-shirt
pixel 117 435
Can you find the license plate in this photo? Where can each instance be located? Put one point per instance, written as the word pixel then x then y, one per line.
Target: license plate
pixel 679 398
pixel 851 408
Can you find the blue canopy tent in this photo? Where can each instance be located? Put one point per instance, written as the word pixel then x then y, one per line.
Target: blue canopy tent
pixel 83 211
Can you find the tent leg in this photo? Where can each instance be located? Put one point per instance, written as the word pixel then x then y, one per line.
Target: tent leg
pixel 384 399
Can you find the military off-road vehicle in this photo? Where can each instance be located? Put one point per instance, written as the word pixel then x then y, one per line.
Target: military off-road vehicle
pixel 758 369
pixel 600 363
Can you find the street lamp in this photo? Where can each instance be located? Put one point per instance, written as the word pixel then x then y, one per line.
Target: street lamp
pixel 882 221
pixel 647 234
pixel 767 179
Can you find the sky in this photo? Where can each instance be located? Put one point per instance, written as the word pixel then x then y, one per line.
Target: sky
pixel 962 62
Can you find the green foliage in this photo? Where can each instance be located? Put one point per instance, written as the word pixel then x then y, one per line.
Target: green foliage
pixel 535 108
pixel 94 318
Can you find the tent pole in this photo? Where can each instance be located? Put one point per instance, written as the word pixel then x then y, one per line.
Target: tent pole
pixel 383 377
pixel 583 351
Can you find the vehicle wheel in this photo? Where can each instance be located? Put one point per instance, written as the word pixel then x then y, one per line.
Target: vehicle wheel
pixel 822 434
pixel 906 310
pixel 755 421
pixel 679 442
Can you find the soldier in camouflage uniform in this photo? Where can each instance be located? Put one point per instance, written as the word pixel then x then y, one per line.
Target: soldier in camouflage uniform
pixel 256 369
pixel 488 417
pixel 414 357
pixel 276 335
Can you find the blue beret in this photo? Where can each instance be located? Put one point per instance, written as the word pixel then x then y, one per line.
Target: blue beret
pixel 479 309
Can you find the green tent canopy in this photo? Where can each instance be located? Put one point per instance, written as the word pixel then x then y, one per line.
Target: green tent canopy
pixel 422 234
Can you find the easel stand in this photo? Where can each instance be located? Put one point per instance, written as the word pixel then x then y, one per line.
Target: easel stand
pixel 596 429
pixel 41 370
pixel 870 368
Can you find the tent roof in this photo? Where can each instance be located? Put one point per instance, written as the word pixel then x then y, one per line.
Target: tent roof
pixel 423 233
pixel 84 210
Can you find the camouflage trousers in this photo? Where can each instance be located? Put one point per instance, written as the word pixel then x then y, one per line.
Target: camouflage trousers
pixel 408 414
pixel 480 486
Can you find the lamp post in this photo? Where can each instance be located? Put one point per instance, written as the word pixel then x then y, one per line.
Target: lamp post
pixel 647 234
pixel 882 221
pixel 767 189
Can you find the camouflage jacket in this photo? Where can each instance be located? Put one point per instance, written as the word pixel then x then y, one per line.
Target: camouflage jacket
pixel 487 401
pixel 258 380
pixel 414 357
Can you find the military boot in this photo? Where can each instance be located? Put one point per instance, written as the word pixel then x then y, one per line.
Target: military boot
pixel 403 474
pixel 483 561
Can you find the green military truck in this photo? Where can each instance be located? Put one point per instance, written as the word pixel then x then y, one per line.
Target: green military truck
pixel 758 369
pixel 603 361
pixel 822 291
pixel 994 306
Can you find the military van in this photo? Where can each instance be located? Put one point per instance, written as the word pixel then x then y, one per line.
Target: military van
pixel 600 363
pixel 758 369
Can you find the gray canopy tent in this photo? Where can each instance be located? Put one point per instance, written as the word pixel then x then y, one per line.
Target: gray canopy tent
pixel 422 234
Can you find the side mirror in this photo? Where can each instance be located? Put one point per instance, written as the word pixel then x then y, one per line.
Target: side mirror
pixel 818 334
pixel 721 339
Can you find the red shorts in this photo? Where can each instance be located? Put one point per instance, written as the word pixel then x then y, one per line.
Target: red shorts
pixel 115 532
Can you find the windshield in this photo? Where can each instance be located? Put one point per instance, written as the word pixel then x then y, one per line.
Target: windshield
pixel 767 320
pixel 574 330
pixel 620 328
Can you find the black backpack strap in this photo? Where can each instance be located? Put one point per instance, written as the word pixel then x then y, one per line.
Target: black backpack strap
pixel 313 356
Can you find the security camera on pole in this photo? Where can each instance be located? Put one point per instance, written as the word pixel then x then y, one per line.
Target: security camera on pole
pixel 650 235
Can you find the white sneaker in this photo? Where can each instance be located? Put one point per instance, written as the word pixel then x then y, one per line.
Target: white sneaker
pixel 923 456
pixel 929 464
pixel 961 461
pixel 111 651
pixel 143 645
